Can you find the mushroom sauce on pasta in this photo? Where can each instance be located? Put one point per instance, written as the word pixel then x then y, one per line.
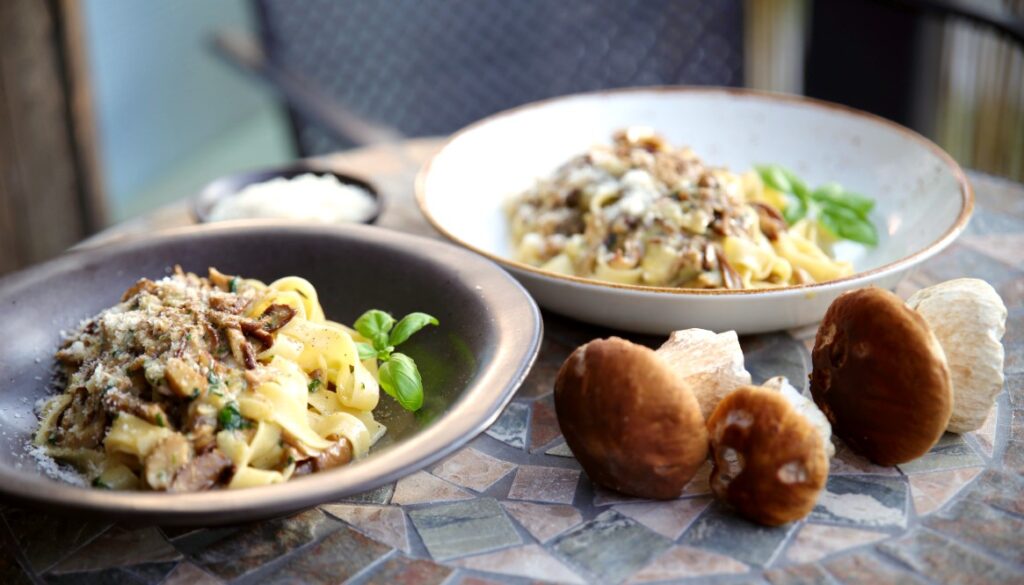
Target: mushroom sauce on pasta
pixel 640 212
pixel 194 383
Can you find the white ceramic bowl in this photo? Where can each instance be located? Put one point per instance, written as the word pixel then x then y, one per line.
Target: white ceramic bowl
pixel 923 199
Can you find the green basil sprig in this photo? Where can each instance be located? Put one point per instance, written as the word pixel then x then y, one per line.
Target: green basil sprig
pixel 839 211
pixel 397 374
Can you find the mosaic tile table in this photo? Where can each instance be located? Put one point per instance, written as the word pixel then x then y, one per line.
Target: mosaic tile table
pixel 514 507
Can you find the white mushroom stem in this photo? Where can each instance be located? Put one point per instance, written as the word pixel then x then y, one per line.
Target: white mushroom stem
pixel 806 407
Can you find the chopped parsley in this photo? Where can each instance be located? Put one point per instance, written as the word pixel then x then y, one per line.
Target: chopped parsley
pixel 233 285
pixel 314 385
pixel 229 419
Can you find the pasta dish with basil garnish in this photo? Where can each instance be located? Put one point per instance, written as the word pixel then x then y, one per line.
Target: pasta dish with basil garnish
pixel 641 212
pixel 193 383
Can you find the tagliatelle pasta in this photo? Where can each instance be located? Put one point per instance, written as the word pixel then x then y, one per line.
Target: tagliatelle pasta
pixel 640 212
pixel 194 383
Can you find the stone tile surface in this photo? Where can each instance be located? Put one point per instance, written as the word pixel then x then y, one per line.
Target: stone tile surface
pixel 258 544
pixel 401 570
pixel 543 423
pixel 1001 489
pixel 543 521
pixel 422 488
pixel 950 456
pixel 986 435
pixel 188 574
pixel 120 547
pixel 847 462
pixel 797 575
pixel 385 524
pixel 681 562
pixel 943 560
pixel 381 495
pixel 816 541
pixel 863 501
pixel 512 426
pixel 668 519
pixel 472 469
pixel 720 530
pixel 10 571
pixel 464 528
pixel 930 491
pixel 610 547
pixel 46 539
pixel 864 568
pixel 555 485
pixel 342 554
pixel 560 450
pixel 530 562
pixel 971 521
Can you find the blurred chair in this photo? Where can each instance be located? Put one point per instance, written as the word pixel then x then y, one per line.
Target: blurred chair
pixel 430 68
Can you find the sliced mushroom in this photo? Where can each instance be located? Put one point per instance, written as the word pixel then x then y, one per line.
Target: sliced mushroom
pixel 202 473
pixel 336 455
pixel 240 348
pixel 166 459
pixel 115 401
pixel 771 221
pixel 183 378
pixel 275 317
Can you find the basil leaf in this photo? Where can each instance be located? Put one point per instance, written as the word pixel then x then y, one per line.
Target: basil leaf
pixel 833 193
pixel 796 209
pixel 410 324
pixel 775 177
pixel 796 184
pixel 400 379
pixel 366 351
pixel 375 325
pixel 848 224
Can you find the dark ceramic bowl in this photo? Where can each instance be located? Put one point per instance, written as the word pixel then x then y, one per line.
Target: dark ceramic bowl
pixel 230 185
pixel 472 363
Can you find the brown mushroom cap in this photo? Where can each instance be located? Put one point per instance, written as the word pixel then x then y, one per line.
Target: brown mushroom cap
pixel 880 377
pixel 768 459
pixel 633 425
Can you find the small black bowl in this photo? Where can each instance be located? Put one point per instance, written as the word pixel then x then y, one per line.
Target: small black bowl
pixel 230 185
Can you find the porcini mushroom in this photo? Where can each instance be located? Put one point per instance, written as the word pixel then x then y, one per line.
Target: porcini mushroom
pixel 880 377
pixel 969 319
pixel 769 460
pixel 633 425
pixel 710 363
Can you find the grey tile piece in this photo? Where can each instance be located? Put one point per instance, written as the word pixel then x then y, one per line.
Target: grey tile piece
pixel 340 555
pixel 610 547
pixel 782 356
pixel 865 568
pixel 998 488
pixel 959 261
pixel 870 501
pixel 120 547
pixel 194 541
pixel 401 570
pixel 943 560
pixel 258 544
pixel 151 572
pixel 47 539
pixel 10 571
pixel 381 495
pixel 105 577
pixel 560 450
pixel 997 532
pixel 512 425
pixel 949 456
pixel 463 528
pixel 807 574
pixel 188 574
pixel 1013 458
pixel 721 530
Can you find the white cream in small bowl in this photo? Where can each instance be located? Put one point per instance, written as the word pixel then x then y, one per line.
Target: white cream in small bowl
pixel 297 196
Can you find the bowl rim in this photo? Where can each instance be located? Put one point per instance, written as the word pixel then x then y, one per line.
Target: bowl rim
pixel 904 263
pixel 518 327
pixel 217 189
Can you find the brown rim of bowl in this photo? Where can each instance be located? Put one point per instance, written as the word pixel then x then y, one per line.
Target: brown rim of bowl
pixel 966 192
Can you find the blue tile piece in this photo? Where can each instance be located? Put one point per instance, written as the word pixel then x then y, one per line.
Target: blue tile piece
pixel 463 528
pixel 872 501
pixel 511 427
pixel 611 547
pixel 722 531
